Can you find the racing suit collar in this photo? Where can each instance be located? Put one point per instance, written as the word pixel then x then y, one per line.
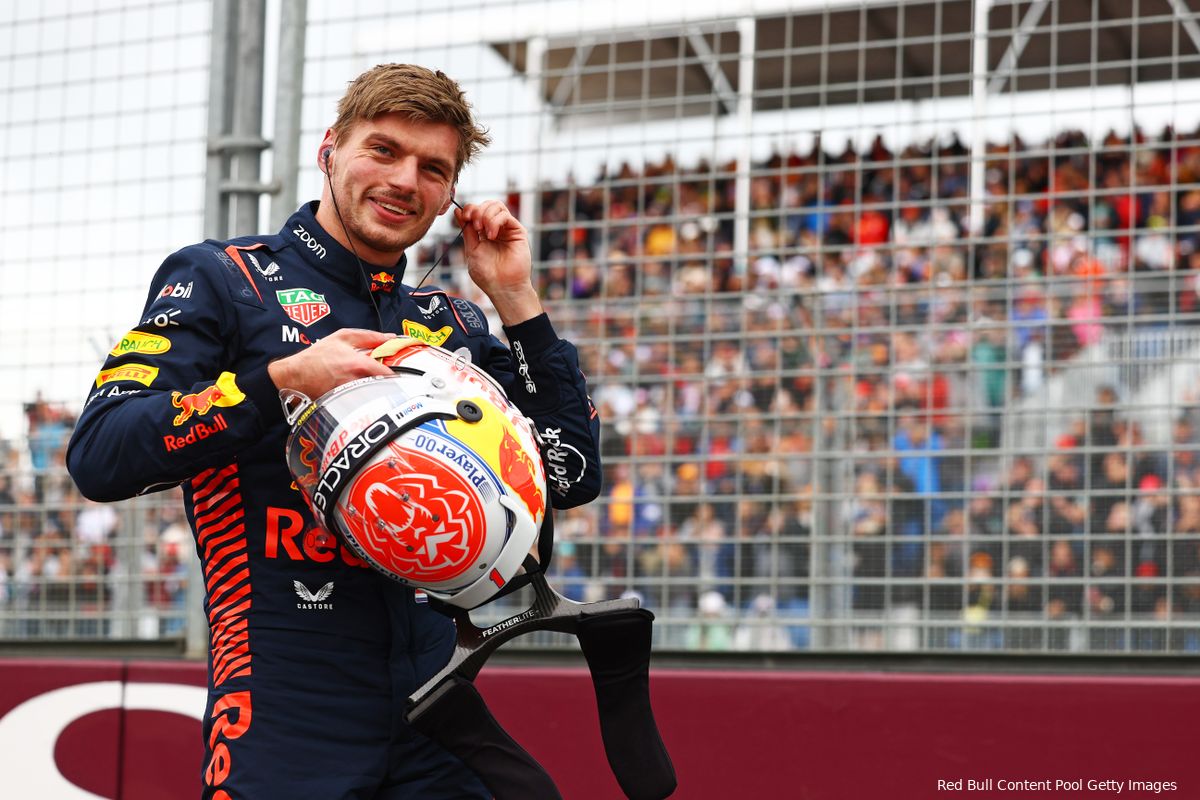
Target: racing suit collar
pixel 325 254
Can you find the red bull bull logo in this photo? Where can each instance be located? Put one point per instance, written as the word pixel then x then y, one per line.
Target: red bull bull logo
pixel 382 282
pixel 199 403
pixel 518 471
pixel 308 454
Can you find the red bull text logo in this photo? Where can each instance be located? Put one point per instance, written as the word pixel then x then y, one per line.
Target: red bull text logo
pixel 231 717
pixel 198 432
pixel 288 537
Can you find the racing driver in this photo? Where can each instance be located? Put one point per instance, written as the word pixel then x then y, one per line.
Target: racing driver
pixel 312 655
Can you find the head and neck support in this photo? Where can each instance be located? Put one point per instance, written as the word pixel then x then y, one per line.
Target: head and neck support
pixel 615 638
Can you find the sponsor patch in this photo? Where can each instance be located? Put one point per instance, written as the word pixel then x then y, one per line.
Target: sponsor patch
pixel 313 601
pixel 523 367
pixel 222 394
pixel 434 304
pixel 197 433
pixel 303 305
pixel 177 290
pixel 271 272
pixel 418 331
pixel 565 465
pixel 290 333
pixel 163 319
pixel 247 293
pixel 112 391
pixel 383 282
pixel 467 315
pixel 309 241
pixel 138 342
pixel 142 373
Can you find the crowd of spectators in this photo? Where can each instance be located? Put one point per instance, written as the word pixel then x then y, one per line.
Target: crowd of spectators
pixel 818 429
pixel 852 376
pixel 70 567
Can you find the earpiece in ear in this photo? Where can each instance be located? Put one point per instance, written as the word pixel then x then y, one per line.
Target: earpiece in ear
pixel 325 155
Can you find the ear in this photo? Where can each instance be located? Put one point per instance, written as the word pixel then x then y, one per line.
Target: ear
pixel 325 150
pixel 449 199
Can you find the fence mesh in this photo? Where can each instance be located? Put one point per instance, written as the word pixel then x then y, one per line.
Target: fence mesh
pixel 889 309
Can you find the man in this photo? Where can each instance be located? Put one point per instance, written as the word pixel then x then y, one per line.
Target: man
pixel 312 654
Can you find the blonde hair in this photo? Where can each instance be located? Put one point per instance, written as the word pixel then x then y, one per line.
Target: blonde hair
pixel 419 94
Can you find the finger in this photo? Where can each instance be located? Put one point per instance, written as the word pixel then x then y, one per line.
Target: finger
pixel 470 238
pixel 468 214
pixel 477 215
pixel 496 217
pixel 373 367
pixel 361 337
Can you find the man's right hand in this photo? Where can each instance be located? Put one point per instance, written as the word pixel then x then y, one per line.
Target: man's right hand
pixel 338 358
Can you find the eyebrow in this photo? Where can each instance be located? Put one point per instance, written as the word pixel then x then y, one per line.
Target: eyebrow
pixel 396 144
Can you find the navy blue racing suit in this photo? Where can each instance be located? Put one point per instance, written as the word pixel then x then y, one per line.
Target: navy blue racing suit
pixel 312 654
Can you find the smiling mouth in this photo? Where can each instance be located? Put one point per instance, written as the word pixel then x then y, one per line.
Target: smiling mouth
pixel 394 209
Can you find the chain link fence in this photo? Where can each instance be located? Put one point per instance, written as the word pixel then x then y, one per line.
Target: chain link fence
pixel 889 311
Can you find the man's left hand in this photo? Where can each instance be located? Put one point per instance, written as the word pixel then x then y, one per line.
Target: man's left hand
pixel 499 260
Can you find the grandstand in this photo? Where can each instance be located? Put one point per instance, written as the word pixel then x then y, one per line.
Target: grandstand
pixel 888 308
pixel 883 362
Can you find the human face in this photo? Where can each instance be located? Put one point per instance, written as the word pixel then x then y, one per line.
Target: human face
pixel 391 177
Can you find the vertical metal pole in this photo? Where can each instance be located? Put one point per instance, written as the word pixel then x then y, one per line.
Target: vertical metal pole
pixel 247 114
pixel 745 106
pixel 289 100
pixel 979 105
pixel 143 617
pixel 531 196
pixel 220 80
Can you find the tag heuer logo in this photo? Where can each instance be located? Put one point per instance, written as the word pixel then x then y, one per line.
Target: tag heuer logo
pixel 303 305
pixel 313 600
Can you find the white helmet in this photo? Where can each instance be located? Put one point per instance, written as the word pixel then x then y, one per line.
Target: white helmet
pixel 431 475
